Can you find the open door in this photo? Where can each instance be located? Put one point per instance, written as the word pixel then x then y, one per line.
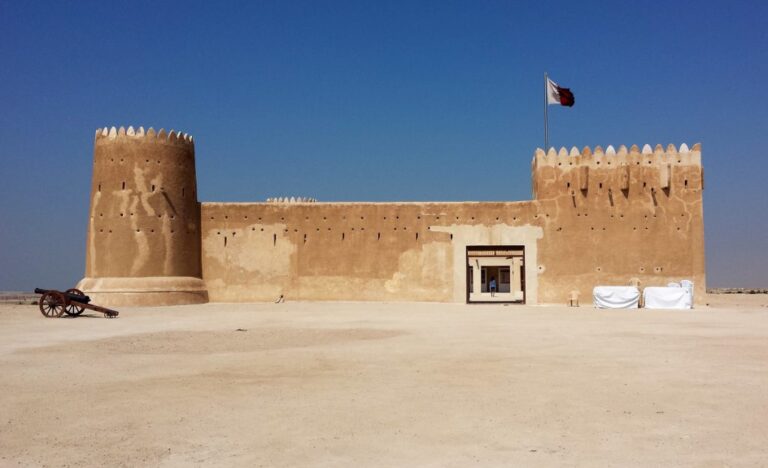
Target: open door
pixel 496 274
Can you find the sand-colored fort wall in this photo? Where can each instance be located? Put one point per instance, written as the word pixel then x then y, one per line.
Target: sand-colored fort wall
pixel 143 242
pixel 616 215
pixel 355 251
pixel 597 218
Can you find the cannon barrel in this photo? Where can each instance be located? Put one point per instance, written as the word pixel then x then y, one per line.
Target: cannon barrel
pixel 72 297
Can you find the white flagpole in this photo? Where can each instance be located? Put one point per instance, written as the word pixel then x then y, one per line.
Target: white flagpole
pixel 546 121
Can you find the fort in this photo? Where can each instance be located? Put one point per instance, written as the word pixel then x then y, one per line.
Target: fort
pixel 597 217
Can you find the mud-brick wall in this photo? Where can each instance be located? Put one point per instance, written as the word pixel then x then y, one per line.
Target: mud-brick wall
pixel 612 216
pixel 144 215
pixel 598 218
pixel 355 251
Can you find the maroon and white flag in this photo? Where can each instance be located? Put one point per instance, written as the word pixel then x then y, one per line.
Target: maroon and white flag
pixel 558 95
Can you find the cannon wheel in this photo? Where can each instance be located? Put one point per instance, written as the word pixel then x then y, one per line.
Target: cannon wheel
pixel 74 309
pixel 53 304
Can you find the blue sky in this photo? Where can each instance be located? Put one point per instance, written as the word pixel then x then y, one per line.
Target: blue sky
pixel 374 101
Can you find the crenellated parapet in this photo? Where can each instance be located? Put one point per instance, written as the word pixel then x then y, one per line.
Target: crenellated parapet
pixel 291 200
pixel 654 168
pixel 113 134
pixel 611 156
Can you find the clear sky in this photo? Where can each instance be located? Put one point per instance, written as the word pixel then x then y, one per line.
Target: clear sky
pixel 374 101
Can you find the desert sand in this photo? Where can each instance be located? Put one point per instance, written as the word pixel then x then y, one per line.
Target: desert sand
pixel 386 384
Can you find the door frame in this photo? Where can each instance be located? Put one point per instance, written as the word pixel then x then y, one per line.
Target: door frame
pixel 467 279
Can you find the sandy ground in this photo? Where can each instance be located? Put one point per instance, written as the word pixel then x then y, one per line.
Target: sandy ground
pixel 372 384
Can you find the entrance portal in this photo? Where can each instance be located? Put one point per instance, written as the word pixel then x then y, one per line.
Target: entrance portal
pixel 496 274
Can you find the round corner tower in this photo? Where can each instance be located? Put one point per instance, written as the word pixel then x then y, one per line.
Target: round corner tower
pixel 143 243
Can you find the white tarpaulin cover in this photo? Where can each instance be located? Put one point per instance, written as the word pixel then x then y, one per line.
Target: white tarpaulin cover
pixel 667 298
pixel 688 284
pixel 616 297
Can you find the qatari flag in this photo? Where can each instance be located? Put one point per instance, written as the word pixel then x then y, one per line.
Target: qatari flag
pixel 558 95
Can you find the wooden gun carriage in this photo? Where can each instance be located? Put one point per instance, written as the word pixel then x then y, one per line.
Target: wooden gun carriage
pixel 71 302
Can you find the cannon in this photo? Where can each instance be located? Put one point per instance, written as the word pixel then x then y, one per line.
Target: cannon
pixel 71 302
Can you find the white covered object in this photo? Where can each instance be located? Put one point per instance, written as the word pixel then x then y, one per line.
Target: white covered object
pixel 616 297
pixel 667 298
pixel 688 284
